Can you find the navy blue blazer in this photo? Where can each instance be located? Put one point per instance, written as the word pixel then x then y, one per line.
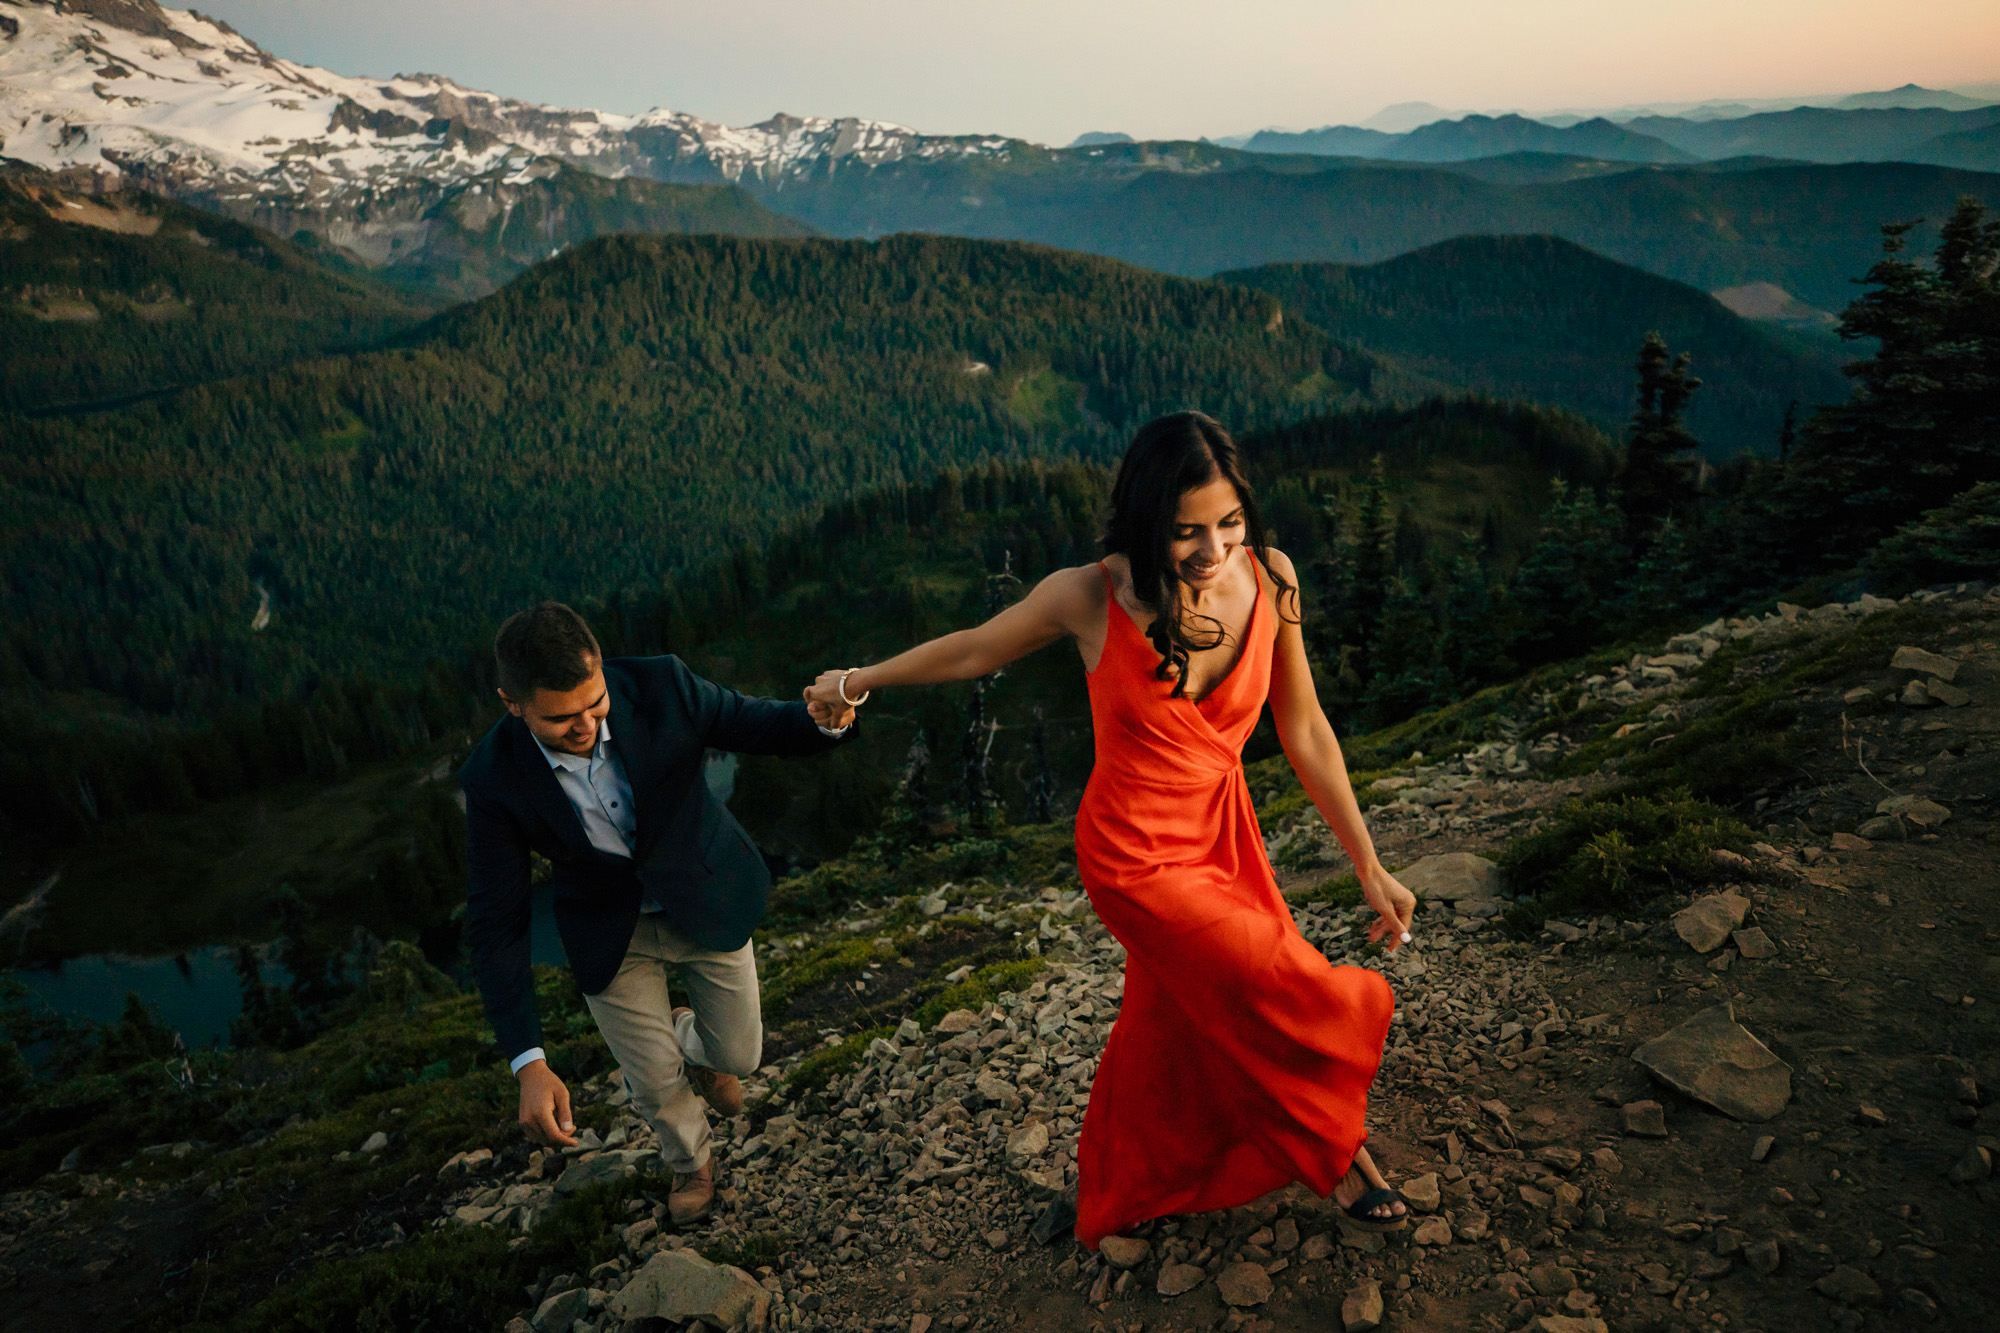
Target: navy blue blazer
pixel 689 853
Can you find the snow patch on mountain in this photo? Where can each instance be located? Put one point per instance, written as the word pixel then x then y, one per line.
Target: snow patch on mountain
pixel 183 103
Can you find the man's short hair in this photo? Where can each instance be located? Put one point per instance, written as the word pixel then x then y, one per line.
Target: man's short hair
pixel 546 647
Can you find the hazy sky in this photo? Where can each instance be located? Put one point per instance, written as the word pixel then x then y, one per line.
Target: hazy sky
pixel 1050 69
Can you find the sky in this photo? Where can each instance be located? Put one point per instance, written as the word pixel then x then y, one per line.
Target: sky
pixel 1049 70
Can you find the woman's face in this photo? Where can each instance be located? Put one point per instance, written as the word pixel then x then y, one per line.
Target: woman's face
pixel 1208 527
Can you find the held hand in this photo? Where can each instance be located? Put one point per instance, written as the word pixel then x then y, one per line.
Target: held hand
pixel 826 690
pixel 832 717
pixel 545 1114
pixel 1395 906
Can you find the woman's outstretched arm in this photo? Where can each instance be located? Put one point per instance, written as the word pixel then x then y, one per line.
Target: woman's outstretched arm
pixel 1315 754
pixel 1067 602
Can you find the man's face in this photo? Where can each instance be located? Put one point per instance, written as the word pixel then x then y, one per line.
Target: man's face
pixel 566 720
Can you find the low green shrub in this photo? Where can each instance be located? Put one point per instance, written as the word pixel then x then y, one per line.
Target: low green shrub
pixel 1616 854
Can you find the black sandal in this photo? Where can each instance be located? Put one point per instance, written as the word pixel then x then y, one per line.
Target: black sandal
pixel 1358 1212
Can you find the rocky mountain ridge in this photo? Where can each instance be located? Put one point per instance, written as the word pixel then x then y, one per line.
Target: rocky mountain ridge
pixel 112 92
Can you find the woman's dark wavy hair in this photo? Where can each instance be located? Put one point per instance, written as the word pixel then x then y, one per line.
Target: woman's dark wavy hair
pixel 1169 457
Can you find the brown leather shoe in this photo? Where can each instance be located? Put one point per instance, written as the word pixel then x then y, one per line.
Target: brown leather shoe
pixel 722 1091
pixel 693 1194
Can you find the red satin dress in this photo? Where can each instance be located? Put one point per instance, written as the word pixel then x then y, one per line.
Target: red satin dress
pixel 1241 1058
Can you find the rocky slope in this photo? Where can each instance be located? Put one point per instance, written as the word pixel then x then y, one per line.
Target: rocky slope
pixel 1718 1111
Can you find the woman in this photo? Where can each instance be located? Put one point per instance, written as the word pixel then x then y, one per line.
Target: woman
pixel 1241 1059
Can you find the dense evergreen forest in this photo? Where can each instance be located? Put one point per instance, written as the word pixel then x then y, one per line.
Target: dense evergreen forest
pixel 127 294
pixel 1544 320
pixel 611 417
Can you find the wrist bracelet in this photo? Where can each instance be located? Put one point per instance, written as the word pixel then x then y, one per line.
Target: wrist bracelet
pixel 840 688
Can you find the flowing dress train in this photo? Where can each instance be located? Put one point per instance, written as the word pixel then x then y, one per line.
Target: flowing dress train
pixel 1241 1058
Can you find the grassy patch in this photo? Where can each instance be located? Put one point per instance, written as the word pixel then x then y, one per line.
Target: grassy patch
pixel 988 983
pixel 1616 854
pixel 1339 890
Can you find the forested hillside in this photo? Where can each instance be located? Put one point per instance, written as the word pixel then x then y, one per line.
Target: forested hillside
pixel 1807 229
pixel 1198 209
pixel 109 296
pixel 1541 319
pixel 614 416
pixel 871 575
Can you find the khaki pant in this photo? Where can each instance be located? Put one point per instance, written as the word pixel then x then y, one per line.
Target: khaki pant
pixel 725 1032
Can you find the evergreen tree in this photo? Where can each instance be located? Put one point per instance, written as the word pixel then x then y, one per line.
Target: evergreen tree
pixel 1924 421
pixel 1473 628
pixel 1371 562
pixel 1656 480
pixel 1564 588
pixel 1407 676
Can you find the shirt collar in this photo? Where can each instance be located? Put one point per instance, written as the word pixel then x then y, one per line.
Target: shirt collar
pixel 578 763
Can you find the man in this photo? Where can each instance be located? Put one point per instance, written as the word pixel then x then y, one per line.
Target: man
pixel 598 767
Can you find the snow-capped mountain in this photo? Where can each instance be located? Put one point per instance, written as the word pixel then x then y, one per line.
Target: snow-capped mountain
pixel 128 90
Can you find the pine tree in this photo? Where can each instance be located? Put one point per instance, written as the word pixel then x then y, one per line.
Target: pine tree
pixel 1473 628
pixel 1656 480
pixel 1564 588
pixel 1924 420
pixel 1408 676
pixel 1370 560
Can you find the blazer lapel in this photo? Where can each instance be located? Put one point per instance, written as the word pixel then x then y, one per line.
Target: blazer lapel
pixel 637 755
pixel 546 794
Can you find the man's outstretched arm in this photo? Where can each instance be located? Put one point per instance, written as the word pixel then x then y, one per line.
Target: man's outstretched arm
pixel 746 724
pixel 498 912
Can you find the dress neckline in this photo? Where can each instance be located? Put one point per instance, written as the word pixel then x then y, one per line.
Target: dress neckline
pixel 1114 607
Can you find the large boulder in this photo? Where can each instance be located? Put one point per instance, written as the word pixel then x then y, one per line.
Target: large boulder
pixel 1452 877
pixel 680 1284
pixel 1707 923
pixel 1714 1059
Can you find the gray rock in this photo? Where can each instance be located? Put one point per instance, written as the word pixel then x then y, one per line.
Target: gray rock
pixel 1951 696
pixel 1931 664
pixel 1317 1246
pixel 1423 1192
pixel 1752 942
pixel 615 1165
pixel 1551 1280
pixel 1123 1252
pixel 1849 1286
pixel 1916 694
pixel 997 1091
pixel 1707 923
pixel 1879 827
pixel 1026 1144
pixel 1284 1236
pixel 1362 1310
pixel 559 1311
pixel 1764 1256
pixel 1715 1060
pixel 996 1239
pixel 1919 810
pixel 1452 877
pixel 680 1284
pixel 1646 1120
pixel 1977 1164
pixel 1762 1147
pixel 374 1143
pixel 1432 1231
pixel 957 1021
pixel 1243 1284
pixel 1179 1279
pixel 909 1030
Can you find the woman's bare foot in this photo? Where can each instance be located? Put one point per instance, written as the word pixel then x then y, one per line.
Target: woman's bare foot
pixel 1360 1178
